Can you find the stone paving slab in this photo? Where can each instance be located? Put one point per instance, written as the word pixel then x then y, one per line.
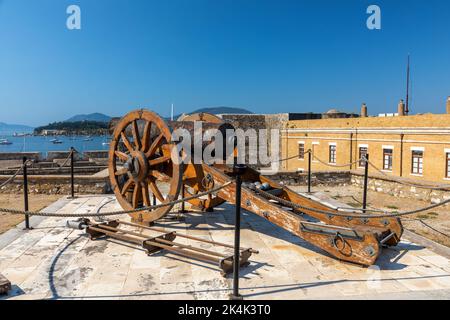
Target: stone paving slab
pixel 53 262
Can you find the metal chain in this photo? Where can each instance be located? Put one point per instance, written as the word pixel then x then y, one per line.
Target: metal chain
pixel 113 213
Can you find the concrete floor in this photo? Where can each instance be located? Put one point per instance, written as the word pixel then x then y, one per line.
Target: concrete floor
pixel 54 262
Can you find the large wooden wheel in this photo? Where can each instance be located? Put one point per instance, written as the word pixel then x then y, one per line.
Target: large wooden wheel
pixel 140 164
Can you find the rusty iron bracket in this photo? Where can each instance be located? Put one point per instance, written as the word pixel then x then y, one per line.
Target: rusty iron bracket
pixel 165 241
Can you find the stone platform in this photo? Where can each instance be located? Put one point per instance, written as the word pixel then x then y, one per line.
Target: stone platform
pixel 54 262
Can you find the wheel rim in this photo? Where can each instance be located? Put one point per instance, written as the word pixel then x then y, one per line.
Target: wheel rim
pixel 140 164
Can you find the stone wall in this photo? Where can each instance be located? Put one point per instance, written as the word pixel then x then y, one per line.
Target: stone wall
pixel 258 122
pixel 331 178
pixel 58 185
pixel 19 156
pixel 395 188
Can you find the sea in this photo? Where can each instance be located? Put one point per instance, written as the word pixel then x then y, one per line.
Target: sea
pixel 43 144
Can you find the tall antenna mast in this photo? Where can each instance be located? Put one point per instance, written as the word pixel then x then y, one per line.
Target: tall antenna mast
pixel 171 113
pixel 407 88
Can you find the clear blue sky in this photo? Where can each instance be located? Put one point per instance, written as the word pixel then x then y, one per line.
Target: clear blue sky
pixel 266 56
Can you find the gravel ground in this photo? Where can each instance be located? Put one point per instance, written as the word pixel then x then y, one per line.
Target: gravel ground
pixel 15 201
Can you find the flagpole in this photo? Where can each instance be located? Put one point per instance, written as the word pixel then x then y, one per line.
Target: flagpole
pixel 407 88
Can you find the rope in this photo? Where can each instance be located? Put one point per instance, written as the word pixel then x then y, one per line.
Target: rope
pixel 65 161
pixel 10 179
pixel 438 187
pixel 338 214
pixel 428 226
pixel 339 165
pixel 113 213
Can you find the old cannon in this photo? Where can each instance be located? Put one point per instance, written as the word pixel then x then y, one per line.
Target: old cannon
pixel 141 166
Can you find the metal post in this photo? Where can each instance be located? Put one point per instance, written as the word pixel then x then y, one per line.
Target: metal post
pixel 25 193
pixel 309 171
pixel 237 239
pixel 72 186
pixel 183 208
pixel 366 178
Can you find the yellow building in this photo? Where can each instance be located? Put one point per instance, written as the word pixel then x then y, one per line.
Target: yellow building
pixel 415 147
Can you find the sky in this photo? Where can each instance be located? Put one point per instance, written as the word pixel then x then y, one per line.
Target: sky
pixel 265 56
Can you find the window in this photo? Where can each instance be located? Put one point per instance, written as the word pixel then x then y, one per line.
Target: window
pixel 301 151
pixel 362 153
pixel 332 157
pixel 417 162
pixel 387 159
pixel 447 162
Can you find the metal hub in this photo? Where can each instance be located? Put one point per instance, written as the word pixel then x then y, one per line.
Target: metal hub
pixel 137 166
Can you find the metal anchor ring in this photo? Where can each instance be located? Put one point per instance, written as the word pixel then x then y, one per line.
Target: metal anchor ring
pixel 336 237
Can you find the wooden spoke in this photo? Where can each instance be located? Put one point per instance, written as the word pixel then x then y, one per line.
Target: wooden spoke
pixel 126 142
pixel 145 194
pixel 121 171
pixel 127 186
pixel 142 137
pixel 154 145
pixel 146 137
pixel 159 160
pixel 161 176
pixel 136 138
pixel 155 191
pixel 136 192
pixel 121 155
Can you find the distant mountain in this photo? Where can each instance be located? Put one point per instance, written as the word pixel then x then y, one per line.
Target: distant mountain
pixel 217 110
pixel 98 117
pixel 222 110
pixel 9 129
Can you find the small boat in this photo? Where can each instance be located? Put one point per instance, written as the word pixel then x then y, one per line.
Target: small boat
pixel 88 138
pixel 5 142
pixel 106 144
pixel 56 141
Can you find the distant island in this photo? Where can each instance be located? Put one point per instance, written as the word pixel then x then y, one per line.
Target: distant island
pixel 73 128
pixel 217 110
pixel 10 129
pixel 94 123
pixel 93 117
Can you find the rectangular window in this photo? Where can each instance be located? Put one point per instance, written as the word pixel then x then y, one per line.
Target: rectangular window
pixel 447 165
pixel 362 153
pixel 387 159
pixel 417 162
pixel 301 151
pixel 332 156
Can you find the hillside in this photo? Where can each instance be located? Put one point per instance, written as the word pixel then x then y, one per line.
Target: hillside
pixel 222 110
pixel 217 110
pixel 76 128
pixel 97 117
